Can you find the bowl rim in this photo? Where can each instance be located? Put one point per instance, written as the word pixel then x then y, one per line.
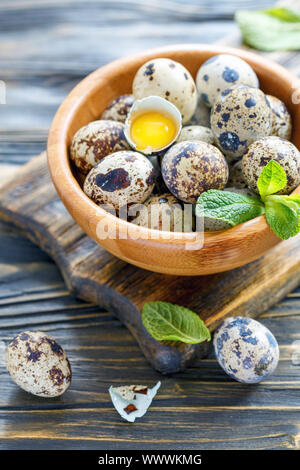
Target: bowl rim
pixel 68 187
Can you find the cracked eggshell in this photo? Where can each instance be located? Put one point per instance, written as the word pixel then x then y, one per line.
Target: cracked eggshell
pixel 221 72
pixel 95 141
pixel 169 80
pixel 238 118
pixel 118 109
pixel 282 121
pixel 38 364
pixel 272 148
pixel 189 168
pixel 246 350
pixel 121 178
pixel 132 401
pixel 161 212
pixel 196 133
pixel 160 105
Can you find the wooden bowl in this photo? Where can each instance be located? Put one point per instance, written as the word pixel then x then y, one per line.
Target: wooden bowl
pixel 146 248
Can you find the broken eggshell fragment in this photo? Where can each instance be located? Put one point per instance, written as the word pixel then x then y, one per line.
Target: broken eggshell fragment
pixel 152 104
pixel 132 401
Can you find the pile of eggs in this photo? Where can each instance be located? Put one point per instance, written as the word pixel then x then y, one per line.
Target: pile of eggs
pixel 174 138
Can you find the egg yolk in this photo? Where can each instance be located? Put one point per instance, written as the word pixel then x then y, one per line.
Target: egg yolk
pixel 152 129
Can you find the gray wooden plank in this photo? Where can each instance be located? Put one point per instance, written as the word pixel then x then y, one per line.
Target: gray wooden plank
pixel 47 47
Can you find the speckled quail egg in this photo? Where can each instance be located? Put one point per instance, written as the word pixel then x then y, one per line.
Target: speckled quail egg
pixel 213 225
pixel 236 178
pixel 246 350
pixel 282 121
pixel 38 364
pixel 161 212
pixel 196 133
pixel 121 178
pixel 95 141
pixel 272 148
pixel 118 109
pixel 221 72
pixel 189 168
pixel 201 116
pixel 170 80
pixel 238 118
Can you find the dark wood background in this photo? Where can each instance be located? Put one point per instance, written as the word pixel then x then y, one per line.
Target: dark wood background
pixel 46 47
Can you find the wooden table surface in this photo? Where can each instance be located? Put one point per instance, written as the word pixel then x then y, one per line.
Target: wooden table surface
pixel 46 47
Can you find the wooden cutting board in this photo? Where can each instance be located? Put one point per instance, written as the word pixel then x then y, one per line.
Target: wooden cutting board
pixel 30 202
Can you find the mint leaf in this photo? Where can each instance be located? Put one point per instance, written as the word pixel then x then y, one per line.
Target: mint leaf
pixel 231 207
pixel 270 30
pixel 292 197
pixel 283 219
pixel 272 179
pixel 169 322
pixel 292 201
pixel 285 14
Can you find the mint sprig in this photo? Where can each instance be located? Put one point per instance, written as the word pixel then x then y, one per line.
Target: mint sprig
pixel 169 322
pixel 282 211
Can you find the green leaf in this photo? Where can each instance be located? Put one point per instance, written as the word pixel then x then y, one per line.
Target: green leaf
pixel 292 197
pixel 231 207
pixel 270 30
pixel 285 14
pixel 169 322
pixel 272 179
pixel 283 219
pixel 292 201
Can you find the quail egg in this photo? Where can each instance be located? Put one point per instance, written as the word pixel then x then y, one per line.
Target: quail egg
pixel 196 133
pixel 38 364
pixel 118 109
pixel 121 178
pixel 169 80
pixel 161 212
pixel 240 116
pixel 246 350
pixel 236 178
pixel 282 121
pixel 213 225
pixel 221 72
pixel 189 168
pixel 272 148
pixel 201 116
pixel 94 141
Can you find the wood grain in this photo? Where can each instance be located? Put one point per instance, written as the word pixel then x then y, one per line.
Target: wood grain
pixel 210 410
pixel 31 203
